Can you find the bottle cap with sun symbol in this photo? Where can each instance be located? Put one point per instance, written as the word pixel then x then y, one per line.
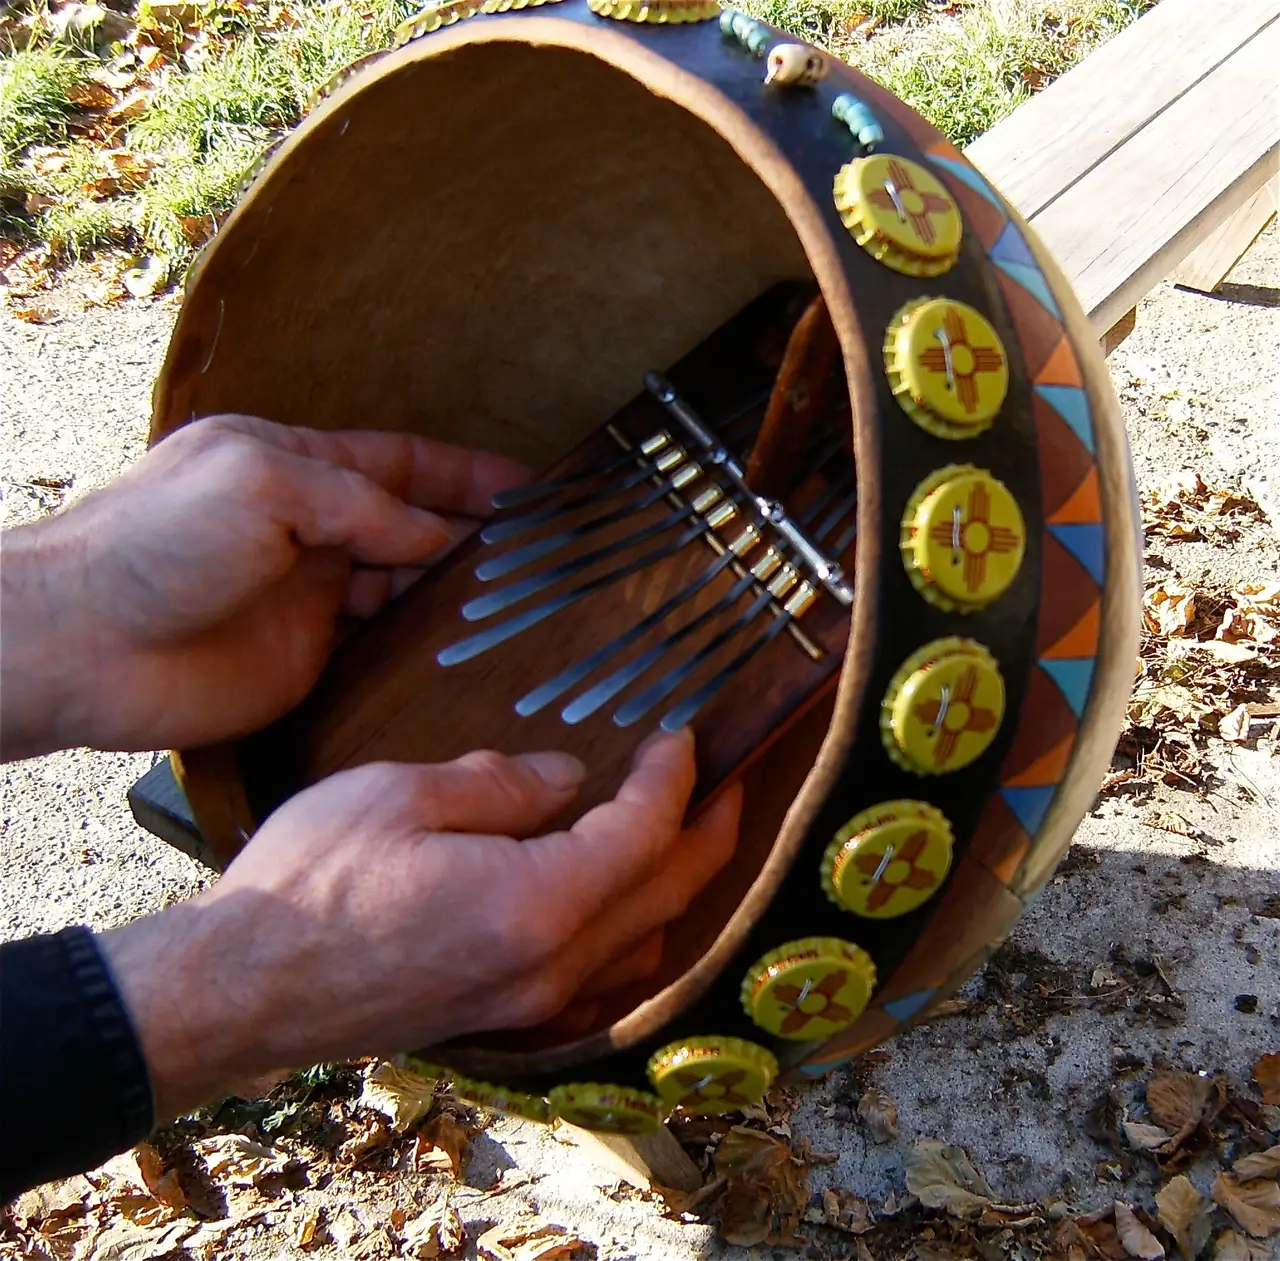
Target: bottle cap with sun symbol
pixel 943 707
pixel 947 367
pixel 710 1075
pixel 809 989
pixel 889 859
pixel 606 1109
pixel 899 214
pixel 963 538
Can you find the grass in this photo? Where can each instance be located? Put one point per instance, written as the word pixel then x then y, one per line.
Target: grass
pixel 246 75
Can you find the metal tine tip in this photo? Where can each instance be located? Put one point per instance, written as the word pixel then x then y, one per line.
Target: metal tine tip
pixel 608 688
pixel 487 605
pixel 508 562
pixel 473 646
pixel 516 495
pixel 570 677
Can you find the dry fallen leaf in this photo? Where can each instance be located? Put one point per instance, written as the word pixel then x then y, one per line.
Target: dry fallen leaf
pixel 1144 1138
pixel 765 1190
pixel 1184 1213
pixel 942 1177
pixel 398 1094
pixel 163 1186
pixel 537 1241
pixel 1138 1241
pixel 1255 1205
pixel 237 1160
pixel 1266 1072
pixel 91 95
pixel 441 1144
pixel 1233 1246
pixel 880 1113
pixel 37 315
pixel 123 1241
pixel 1235 726
pixel 438 1232
pixel 1101 1234
pixel 846 1211
pixel 1180 1101
pixel 304 1225
pixel 1259 1165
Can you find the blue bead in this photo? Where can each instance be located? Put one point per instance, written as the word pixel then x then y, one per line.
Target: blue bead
pixel 841 105
pixel 726 20
pixel 870 136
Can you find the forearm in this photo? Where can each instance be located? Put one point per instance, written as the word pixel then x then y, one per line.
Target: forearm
pixel 43 684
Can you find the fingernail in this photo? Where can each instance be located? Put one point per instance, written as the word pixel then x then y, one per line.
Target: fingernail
pixel 658 737
pixel 556 770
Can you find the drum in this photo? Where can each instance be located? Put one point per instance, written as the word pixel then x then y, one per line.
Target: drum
pixel 828 467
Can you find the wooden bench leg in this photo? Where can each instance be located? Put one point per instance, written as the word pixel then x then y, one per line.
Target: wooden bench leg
pixel 1119 331
pixel 645 1162
pixel 1207 266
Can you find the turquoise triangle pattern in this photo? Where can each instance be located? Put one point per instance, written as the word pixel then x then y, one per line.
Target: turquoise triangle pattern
pixel 1012 247
pixel 1029 805
pixel 1033 281
pixel 1074 677
pixel 905 1008
pixel 1087 543
pixel 1072 404
pixel 964 172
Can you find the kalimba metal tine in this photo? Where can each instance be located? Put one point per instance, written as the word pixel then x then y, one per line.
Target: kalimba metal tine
pixel 509 562
pixel 608 688
pixel 465 649
pixel 514 526
pixel 846 538
pixel 639 706
pixel 516 495
pixel 570 677
pixel 488 605
pixel 685 712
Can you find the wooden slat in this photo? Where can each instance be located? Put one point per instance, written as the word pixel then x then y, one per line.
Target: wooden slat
pixel 1208 265
pixel 1058 137
pixel 1119 230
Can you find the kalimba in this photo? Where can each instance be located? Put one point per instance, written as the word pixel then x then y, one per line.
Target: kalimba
pixel 829 468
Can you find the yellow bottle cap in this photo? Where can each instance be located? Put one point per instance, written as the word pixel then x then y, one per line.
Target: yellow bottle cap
pixel 889 859
pixel 947 367
pixel 606 1109
pixel 900 214
pixel 963 538
pixel 707 1076
pixel 809 989
pixel 656 11
pixel 943 707
pixel 499 1099
pixel 432 17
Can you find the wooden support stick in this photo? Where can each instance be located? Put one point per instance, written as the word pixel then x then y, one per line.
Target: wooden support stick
pixel 646 1162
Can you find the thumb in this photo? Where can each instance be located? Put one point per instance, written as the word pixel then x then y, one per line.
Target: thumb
pixel 489 793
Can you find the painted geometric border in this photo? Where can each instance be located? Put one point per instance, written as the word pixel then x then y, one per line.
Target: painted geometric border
pixel 986 894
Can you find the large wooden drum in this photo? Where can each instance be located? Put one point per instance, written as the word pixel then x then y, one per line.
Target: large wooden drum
pixel 829 468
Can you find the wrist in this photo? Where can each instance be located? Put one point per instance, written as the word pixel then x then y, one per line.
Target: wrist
pixel 45 668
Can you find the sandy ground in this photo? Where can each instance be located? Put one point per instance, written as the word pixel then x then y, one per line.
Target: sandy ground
pixel 1012 1076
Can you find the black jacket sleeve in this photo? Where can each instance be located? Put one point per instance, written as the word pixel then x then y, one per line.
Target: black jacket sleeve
pixel 74 1087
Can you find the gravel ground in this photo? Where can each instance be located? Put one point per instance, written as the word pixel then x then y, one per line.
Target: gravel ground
pixel 1010 1077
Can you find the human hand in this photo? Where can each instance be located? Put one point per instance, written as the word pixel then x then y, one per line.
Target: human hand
pixel 390 907
pixel 197 597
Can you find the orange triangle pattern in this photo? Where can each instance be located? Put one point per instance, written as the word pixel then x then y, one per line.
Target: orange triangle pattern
pixel 1045 770
pixel 942 148
pixel 1081 640
pixel 1084 506
pixel 1061 368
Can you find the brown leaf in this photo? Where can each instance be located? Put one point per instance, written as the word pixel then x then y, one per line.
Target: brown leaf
pixel 38 203
pixel 1259 1165
pixel 130 107
pixel 304 1226
pixel 1255 1205
pixel 1144 1138
pixel 397 1093
pixel 239 1161
pixel 1266 1072
pixel 1235 725
pixel 196 228
pixel 1179 1100
pixel 441 1144
pixel 1233 1246
pixel 438 1232
pixel 766 1189
pixel 880 1113
pixel 1102 1235
pixel 37 315
pixel 91 95
pixel 846 1211
pixel 163 1186
pixel 1184 1213
pixel 537 1241
pixel 1138 1241
pixel 942 1177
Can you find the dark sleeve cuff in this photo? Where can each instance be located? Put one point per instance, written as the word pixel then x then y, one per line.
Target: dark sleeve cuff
pixel 74 1087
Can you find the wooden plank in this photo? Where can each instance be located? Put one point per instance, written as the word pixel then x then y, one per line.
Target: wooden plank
pixel 1056 138
pixel 1208 265
pixel 646 1162
pixel 1119 331
pixel 1123 227
pixel 160 807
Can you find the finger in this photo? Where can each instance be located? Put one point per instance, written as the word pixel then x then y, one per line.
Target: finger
pixel 368 591
pixel 488 793
pixel 704 849
pixel 618 844
pixel 326 506
pixel 418 470
pixel 638 963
